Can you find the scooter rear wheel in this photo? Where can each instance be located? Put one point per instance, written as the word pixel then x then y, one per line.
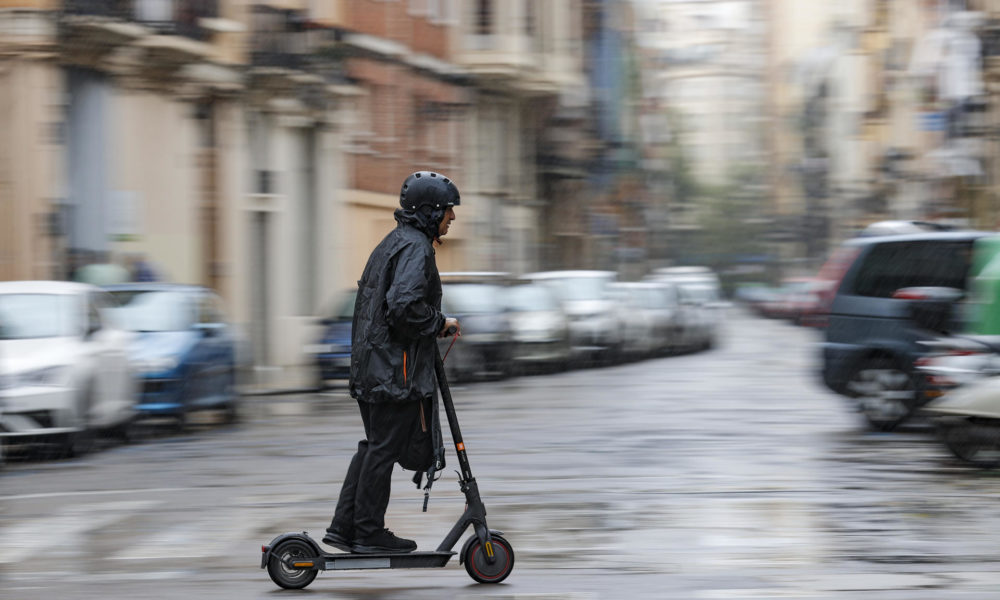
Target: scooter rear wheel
pixel 963 441
pixel 479 568
pixel 288 577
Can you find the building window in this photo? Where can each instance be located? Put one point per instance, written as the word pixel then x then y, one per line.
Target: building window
pixel 484 17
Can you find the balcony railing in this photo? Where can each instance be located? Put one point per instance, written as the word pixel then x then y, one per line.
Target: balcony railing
pixel 170 17
pixel 288 39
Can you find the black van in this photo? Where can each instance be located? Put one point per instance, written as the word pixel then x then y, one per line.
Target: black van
pixel 871 339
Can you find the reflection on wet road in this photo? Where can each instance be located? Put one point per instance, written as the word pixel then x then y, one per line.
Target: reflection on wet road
pixel 724 474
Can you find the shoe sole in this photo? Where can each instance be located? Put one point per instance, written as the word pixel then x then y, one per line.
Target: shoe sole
pixel 345 546
pixel 379 550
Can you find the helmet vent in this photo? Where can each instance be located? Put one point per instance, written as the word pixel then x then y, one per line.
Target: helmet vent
pixel 434 174
pixel 417 175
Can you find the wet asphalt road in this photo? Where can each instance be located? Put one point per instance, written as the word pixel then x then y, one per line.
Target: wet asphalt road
pixel 723 474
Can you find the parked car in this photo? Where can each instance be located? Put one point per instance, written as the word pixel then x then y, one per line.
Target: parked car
pixel 758 297
pixel 654 325
pixel 184 350
pixel 539 327
pixel 799 300
pixel 483 351
pixel 333 350
pixel 64 370
pixel 640 336
pixel 872 340
pixel 595 322
pixel 700 295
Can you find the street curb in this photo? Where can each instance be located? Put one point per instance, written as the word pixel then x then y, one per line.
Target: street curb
pixel 289 391
pixel 282 392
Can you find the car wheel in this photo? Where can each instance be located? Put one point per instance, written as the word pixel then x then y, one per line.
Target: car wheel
pixel 885 393
pixel 232 404
pixel 81 442
pixel 975 443
pixel 125 432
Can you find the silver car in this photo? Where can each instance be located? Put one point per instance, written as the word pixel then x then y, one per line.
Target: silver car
pixel 539 327
pixel 595 318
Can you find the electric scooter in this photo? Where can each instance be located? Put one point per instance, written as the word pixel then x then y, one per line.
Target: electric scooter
pixel 294 559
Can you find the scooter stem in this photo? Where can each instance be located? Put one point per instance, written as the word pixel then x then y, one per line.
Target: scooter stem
pixel 475 510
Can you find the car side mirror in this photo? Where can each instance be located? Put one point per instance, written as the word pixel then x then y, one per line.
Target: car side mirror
pixel 931 307
pixel 208 329
pixel 91 330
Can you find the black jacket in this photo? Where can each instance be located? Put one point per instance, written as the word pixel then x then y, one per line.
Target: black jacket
pixel 397 316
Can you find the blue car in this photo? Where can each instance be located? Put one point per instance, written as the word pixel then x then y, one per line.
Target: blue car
pixel 184 349
pixel 333 351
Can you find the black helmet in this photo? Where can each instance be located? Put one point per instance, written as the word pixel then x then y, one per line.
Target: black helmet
pixel 427 188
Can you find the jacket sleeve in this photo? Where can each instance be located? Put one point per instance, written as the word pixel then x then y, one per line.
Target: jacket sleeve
pixel 409 313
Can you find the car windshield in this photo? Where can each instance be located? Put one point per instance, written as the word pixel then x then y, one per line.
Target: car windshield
pixel 581 288
pixel 651 298
pixel 153 310
pixel 700 293
pixel 471 298
pixel 27 316
pixel 523 298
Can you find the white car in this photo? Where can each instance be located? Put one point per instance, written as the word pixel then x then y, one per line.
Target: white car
pixel 540 329
pixel 595 318
pixel 64 371
pixel 700 296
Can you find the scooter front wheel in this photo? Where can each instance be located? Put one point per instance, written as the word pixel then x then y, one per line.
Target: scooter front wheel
pixel 283 556
pixel 478 566
pixel 975 444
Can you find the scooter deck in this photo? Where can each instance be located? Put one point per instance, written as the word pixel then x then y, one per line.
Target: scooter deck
pixel 410 560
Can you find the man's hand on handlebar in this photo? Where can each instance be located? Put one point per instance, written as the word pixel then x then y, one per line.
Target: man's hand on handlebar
pixel 451 327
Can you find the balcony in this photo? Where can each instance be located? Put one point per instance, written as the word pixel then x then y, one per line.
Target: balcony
pixel 287 39
pixel 183 18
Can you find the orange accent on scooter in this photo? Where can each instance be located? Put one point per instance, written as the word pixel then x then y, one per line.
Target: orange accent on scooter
pixel 460 446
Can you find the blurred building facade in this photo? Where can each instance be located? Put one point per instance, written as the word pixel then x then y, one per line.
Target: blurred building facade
pixel 258 148
pixel 882 109
pixel 705 96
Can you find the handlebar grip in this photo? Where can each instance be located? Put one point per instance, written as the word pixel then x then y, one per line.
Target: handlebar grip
pixel 451 331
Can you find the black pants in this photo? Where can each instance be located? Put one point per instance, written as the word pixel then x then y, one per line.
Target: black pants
pixel 364 496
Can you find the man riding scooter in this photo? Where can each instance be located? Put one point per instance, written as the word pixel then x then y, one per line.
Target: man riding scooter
pixel 397 318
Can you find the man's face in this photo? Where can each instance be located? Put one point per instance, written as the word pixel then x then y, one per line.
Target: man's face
pixel 449 216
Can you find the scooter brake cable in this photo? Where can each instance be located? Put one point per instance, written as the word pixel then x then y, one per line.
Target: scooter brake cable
pixel 454 338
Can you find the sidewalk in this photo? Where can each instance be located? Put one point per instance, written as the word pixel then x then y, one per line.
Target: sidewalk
pixel 276 381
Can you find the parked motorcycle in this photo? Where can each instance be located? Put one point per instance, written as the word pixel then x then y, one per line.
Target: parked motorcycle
pixel 962 371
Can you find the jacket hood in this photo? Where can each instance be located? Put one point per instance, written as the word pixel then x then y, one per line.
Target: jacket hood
pixel 418 220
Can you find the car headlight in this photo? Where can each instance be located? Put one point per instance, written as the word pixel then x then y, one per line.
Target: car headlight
pixel 49 376
pixel 156 365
